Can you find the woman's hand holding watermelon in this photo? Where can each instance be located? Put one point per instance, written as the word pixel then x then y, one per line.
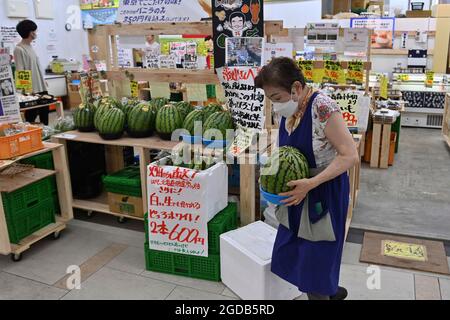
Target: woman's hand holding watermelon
pixel 301 189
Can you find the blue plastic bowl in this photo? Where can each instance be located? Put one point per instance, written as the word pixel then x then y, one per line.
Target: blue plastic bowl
pixel 272 198
pixel 215 143
pixel 191 139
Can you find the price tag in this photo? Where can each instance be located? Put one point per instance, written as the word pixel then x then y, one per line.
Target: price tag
pixel 384 87
pixel 242 142
pixel 134 89
pixel 24 81
pixel 429 79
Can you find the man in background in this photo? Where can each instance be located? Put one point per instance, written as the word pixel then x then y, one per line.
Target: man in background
pixel 26 59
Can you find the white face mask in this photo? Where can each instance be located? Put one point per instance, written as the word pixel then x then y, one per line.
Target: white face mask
pixel 285 109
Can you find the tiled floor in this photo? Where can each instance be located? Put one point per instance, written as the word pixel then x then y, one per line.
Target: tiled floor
pixel 124 275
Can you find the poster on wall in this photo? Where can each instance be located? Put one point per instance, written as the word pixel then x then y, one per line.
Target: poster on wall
pixel 243 99
pixel 9 105
pixel 239 18
pixel 322 34
pixel 151 11
pixel 383 30
pixel 356 40
pixel 244 52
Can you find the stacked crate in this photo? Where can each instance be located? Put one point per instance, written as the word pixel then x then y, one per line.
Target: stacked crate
pixel 194 266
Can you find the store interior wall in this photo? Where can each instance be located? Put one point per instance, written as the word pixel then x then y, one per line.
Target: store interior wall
pixel 294 13
pixel 69 45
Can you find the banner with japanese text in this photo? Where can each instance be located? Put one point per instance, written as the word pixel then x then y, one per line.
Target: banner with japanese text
pixel 161 11
pixel 181 201
pixel 244 100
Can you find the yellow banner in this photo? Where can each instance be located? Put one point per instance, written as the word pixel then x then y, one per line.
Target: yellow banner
pixel 24 81
pixel 355 72
pixel 403 250
pixel 334 72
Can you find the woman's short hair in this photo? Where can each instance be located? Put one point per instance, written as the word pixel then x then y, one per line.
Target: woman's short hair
pixel 25 27
pixel 280 72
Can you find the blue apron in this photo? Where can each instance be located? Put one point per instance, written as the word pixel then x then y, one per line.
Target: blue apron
pixel 312 266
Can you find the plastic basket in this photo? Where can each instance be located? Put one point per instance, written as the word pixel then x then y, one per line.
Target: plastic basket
pixel 126 182
pixel 183 265
pixel 25 222
pixel 30 195
pixel 41 161
pixel 21 143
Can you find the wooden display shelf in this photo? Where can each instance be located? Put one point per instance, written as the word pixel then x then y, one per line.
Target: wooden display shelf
pixel 100 204
pixel 64 196
pixel 59 108
pixel 165 75
pixel 15 182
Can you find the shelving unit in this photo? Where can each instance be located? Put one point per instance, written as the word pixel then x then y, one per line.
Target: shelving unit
pixel 29 177
pixel 59 108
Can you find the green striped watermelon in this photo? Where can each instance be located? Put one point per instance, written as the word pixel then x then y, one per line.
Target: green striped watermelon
pixel 184 108
pixel 192 117
pixel 292 165
pixel 159 102
pixel 141 120
pixel 210 109
pixel 168 119
pixel 111 124
pixel 104 106
pixel 83 118
pixel 221 120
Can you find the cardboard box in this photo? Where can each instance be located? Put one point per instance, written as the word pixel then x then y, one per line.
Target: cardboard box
pixel 418 13
pixel 126 205
pixel 440 11
pixel 252 278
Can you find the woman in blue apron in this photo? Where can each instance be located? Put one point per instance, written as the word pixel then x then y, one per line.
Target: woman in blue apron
pixel 310 239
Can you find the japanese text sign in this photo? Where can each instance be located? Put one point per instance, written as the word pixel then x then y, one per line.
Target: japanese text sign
pixel 24 81
pixel 354 106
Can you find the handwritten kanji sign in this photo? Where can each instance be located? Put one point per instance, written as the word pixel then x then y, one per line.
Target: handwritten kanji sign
pixel 24 81
pixel 181 201
pixel 244 100
pixel 401 250
pixel 354 107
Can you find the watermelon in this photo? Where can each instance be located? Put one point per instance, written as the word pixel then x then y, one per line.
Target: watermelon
pixel 104 106
pixel 111 124
pixel 192 117
pixel 141 121
pixel 184 108
pixel 83 118
pixel 210 109
pixel 168 119
pixel 292 165
pixel 159 102
pixel 221 121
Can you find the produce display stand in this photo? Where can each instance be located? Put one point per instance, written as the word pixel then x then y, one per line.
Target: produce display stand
pixel 104 37
pixel 59 108
pixel 114 159
pixel 27 178
pixel 446 122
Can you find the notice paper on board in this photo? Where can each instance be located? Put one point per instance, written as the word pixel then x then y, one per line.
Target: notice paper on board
pixel 9 104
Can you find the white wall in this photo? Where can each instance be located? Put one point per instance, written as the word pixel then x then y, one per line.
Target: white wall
pixel 69 45
pixel 295 14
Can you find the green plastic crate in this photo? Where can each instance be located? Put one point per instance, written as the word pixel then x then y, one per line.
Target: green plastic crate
pixel 126 182
pixel 41 161
pixel 29 196
pixel 224 221
pixel 183 265
pixel 23 223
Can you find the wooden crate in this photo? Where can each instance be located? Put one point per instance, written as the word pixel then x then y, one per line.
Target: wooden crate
pixel 446 121
pixel 380 148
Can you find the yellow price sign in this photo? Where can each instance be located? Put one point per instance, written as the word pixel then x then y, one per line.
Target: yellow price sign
pixel 402 250
pixel 307 68
pixel 403 77
pixel 24 81
pixel 134 89
pixel 334 73
pixel 429 79
pixel 384 87
pixel 355 72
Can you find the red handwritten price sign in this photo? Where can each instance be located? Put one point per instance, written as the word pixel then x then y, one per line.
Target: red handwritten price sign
pixel 354 107
pixel 181 201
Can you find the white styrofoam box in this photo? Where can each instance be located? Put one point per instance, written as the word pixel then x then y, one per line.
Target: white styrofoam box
pixel 245 259
pixel 214 182
pixel 56 85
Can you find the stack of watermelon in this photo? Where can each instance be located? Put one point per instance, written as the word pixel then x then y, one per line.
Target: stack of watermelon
pixel 83 117
pixel 292 165
pixel 168 119
pixel 142 120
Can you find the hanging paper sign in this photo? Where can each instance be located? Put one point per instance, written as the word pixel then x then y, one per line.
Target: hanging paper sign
pixel 322 33
pixel 383 30
pixel 151 62
pixel 167 62
pixel 384 87
pixel 354 107
pixel 180 204
pixel 24 81
pixel 244 139
pixel 307 68
pixel 356 40
pixel 240 18
pixel 244 100
pixel 178 49
pixel 355 72
pixel 9 104
pixel 196 92
pixel 429 79
pixel 334 72
pixel 134 89
pixel 157 11
pixel 160 90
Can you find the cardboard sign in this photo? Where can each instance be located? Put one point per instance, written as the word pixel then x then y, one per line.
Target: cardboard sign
pixel 334 72
pixel 151 11
pixel 354 107
pixel 401 250
pixel 355 72
pixel 240 18
pixel 9 104
pixel 181 201
pixel 244 100
pixel 24 81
